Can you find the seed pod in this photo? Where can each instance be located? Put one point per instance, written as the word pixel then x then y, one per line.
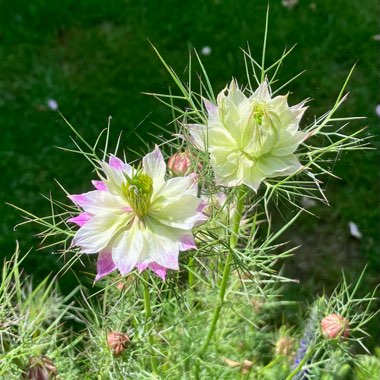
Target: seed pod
pixel 179 163
pixel 334 326
pixel 117 342
pixel 40 368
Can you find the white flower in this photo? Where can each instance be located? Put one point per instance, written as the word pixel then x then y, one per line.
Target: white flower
pixel 250 138
pixel 135 218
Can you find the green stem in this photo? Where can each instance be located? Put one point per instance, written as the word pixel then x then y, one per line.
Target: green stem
pixel 227 269
pixel 191 274
pixel 300 365
pixel 148 325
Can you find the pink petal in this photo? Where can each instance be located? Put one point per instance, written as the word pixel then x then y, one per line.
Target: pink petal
pixel 187 242
pixel 202 206
pixel 142 266
pixel 200 219
pixel 211 108
pixel 159 270
pixel 116 163
pixel 105 264
pixel 80 199
pixel 100 185
pixel 81 219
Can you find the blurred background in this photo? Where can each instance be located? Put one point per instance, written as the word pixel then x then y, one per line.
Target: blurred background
pixel 92 59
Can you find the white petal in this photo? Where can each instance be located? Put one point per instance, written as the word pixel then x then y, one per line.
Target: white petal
pixel 127 249
pixel 278 166
pixel 154 165
pixel 270 165
pixel 262 92
pixel 253 177
pixel 287 143
pixel 221 165
pixel 220 138
pixel 236 96
pixel 354 230
pixel 180 213
pixel 174 188
pixel 102 202
pixel 199 135
pixel 115 176
pixel 163 245
pixel 99 231
pixel 212 111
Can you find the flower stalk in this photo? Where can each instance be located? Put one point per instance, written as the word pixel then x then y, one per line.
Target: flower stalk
pixel 227 268
pixel 148 325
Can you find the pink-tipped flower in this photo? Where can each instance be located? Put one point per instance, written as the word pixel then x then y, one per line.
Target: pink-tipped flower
pixel 117 342
pixel 179 163
pixel 137 219
pixel 334 326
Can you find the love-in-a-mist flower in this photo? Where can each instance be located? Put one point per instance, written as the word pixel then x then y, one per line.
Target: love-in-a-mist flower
pixel 250 138
pixel 135 218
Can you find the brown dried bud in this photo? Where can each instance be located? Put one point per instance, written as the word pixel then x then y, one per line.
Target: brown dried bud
pixel 244 367
pixel 284 346
pixel 179 163
pixel 117 342
pixel 334 326
pixel 40 368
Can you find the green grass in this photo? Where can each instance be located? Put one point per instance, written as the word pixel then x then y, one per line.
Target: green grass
pixel 94 58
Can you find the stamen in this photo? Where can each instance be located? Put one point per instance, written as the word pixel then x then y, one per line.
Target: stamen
pixel 138 190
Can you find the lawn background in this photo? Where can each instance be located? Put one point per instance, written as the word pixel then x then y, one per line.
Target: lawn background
pixel 94 59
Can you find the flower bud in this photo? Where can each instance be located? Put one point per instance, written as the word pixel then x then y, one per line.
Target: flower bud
pixel 334 325
pixel 117 342
pixel 284 346
pixel 40 368
pixel 179 163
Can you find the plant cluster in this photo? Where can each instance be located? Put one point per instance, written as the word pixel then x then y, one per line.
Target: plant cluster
pixel 188 279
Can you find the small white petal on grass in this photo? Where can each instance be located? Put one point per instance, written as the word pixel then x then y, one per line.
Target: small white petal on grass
pixel 289 3
pixel 354 230
pixel 52 104
pixel 378 110
pixel 307 202
pixel 206 50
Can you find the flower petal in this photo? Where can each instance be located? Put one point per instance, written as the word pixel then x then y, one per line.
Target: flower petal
pixel 99 185
pixel 105 264
pixel 99 202
pixel 211 109
pixel 116 163
pixel 287 143
pixel 159 270
pixel 278 166
pixel 81 219
pixel 187 242
pixel 253 177
pixel 127 249
pixel 173 189
pixel 198 135
pixel 163 244
pixel 99 231
pixel 262 92
pixel 154 165
pixel 115 174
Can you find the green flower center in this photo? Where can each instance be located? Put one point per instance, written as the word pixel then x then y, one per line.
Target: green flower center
pixel 258 112
pixel 138 190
